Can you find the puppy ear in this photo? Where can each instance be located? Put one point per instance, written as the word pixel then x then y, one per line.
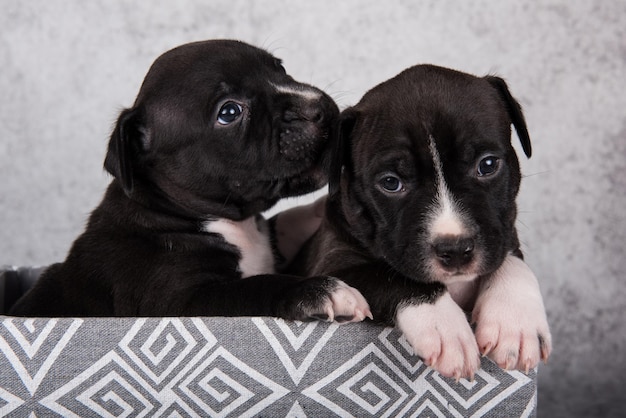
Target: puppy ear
pixel 126 140
pixel 341 154
pixel 515 112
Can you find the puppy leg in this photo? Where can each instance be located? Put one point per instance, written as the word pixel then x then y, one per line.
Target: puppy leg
pixel 511 323
pixel 294 226
pixel 440 334
pixel 326 299
pixel 279 295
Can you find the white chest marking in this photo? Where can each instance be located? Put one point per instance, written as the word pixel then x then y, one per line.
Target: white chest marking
pixel 445 218
pixel 251 239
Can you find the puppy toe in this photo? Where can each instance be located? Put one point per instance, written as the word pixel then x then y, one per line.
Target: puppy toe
pixel 530 353
pixel 472 362
pixel 511 323
pixel 486 337
pixel 459 359
pixel 440 334
pixel 426 346
pixel 512 345
pixel 505 351
pixel 348 304
pixel 545 345
pixel 329 299
pixel 452 363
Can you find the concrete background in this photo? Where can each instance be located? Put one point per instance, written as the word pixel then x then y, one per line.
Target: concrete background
pixel 68 67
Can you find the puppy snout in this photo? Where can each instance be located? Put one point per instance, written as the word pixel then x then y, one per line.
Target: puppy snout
pixel 306 126
pixel 309 113
pixel 454 252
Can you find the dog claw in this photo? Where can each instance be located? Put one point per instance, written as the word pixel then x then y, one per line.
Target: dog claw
pixel 511 362
pixel 545 350
pixel 433 361
pixel 457 376
pixel 487 349
pixel 429 361
pixel 345 304
pixel 359 315
pixel 331 315
pixel 527 366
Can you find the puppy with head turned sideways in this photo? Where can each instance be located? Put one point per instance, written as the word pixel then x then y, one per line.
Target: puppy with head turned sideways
pixel 420 218
pixel 219 133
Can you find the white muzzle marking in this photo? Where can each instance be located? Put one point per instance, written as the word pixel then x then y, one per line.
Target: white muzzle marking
pixel 445 218
pixel 304 92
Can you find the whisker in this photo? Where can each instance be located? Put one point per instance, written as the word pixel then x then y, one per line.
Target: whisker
pixel 226 200
pixel 536 174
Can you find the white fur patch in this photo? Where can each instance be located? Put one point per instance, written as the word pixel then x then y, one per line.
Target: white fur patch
pixel 251 239
pixel 445 218
pixel 440 334
pixel 307 93
pixel 510 317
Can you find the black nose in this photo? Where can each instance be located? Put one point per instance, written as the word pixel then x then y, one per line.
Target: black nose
pixel 454 252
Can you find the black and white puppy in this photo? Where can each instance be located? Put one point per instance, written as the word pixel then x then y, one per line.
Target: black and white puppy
pixel 219 133
pixel 421 219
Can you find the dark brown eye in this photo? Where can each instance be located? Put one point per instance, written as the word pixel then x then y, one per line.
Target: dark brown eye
pixel 279 66
pixel 488 166
pixel 391 184
pixel 229 113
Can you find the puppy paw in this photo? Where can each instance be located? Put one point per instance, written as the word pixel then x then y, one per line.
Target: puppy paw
pixel 511 324
pixel 440 334
pixel 329 299
pixel 343 304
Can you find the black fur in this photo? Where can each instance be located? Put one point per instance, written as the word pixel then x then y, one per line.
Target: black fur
pixel 144 252
pixel 378 242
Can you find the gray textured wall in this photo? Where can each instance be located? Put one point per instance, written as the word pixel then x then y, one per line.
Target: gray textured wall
pixel 68 67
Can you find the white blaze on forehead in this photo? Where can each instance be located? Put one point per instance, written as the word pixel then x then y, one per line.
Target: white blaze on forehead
pixel 446 218
pixel 252 242
pixel 303 91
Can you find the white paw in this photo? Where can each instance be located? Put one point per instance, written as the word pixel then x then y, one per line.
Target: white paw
pixel 511 324
pixel 346 304
pixel 440 334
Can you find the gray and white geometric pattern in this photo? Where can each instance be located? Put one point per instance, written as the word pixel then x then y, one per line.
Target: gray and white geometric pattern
pixel 223 367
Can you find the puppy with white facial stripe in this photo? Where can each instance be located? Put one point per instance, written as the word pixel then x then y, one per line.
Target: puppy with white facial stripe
pixel 421 219
pixel 218 134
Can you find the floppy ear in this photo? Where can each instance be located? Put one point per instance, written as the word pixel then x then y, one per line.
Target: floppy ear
pixel 341 158
pixel 126 141
pixel 515 112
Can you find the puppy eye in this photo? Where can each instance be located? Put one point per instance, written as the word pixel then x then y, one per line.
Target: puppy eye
pixel 279 66
pixel 229 113
pixel 391 183
pixel 488 166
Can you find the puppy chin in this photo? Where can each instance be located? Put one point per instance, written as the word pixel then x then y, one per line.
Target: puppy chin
pixel 306 182
pixel 450 278
pixel 438 273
